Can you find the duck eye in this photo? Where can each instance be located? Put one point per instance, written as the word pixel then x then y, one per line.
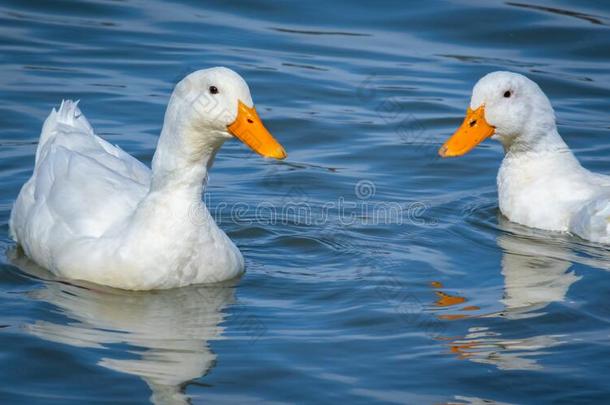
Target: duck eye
pixel 507 93
pixel 213 90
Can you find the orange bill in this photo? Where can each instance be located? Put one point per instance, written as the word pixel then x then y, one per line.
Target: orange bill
pixel 249 129
pixel 472 132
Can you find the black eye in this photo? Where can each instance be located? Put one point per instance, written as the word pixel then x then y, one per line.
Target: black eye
pixel 507 93
pixel 213 90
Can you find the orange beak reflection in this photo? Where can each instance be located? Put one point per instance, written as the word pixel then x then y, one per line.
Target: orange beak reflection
pixel 472 132
pixel 249 129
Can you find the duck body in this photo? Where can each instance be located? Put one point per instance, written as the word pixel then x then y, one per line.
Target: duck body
pixel 88 212
pixel 92 212
pixel 540 183
pixel 552 191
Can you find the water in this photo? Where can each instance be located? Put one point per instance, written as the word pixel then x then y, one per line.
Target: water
pixel 441 301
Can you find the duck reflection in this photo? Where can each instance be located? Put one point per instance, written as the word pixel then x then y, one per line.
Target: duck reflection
pixel 167 331
pixel 536 270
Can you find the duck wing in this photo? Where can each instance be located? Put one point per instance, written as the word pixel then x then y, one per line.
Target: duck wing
pixel 82 186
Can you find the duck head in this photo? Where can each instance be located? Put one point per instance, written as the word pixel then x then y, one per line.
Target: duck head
pixel 507 107
pixel 213 105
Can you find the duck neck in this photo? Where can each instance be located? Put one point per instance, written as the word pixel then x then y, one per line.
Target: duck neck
pixel 183 156
pixel 537 141
pixel 173 207
pixel 533 163
pixel 539 146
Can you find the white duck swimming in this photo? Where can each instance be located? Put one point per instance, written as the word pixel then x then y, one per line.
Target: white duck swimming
pixel 92 212
pixel 540 183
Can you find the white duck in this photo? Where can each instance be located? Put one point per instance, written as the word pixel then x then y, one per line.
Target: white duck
pixel 92 212
pixel 540 183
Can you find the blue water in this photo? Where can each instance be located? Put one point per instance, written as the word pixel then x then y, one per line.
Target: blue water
pixel 410 288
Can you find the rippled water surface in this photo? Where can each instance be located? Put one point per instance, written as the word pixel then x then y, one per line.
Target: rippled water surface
pixel 438 300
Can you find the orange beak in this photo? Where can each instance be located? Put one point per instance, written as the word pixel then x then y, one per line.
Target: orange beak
pixel 249 129
pixel 472 132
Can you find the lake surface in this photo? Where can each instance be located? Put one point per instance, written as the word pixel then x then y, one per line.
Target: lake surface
pixel 376 272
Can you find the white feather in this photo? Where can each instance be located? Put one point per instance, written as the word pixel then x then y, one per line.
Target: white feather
pixel 541 184
pixel 90 211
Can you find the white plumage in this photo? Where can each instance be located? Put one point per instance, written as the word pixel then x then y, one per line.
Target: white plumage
pixel 541 184
pixel 90 211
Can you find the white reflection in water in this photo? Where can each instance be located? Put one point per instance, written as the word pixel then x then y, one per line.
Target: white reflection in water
pixel 167 331
pixel 536 270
